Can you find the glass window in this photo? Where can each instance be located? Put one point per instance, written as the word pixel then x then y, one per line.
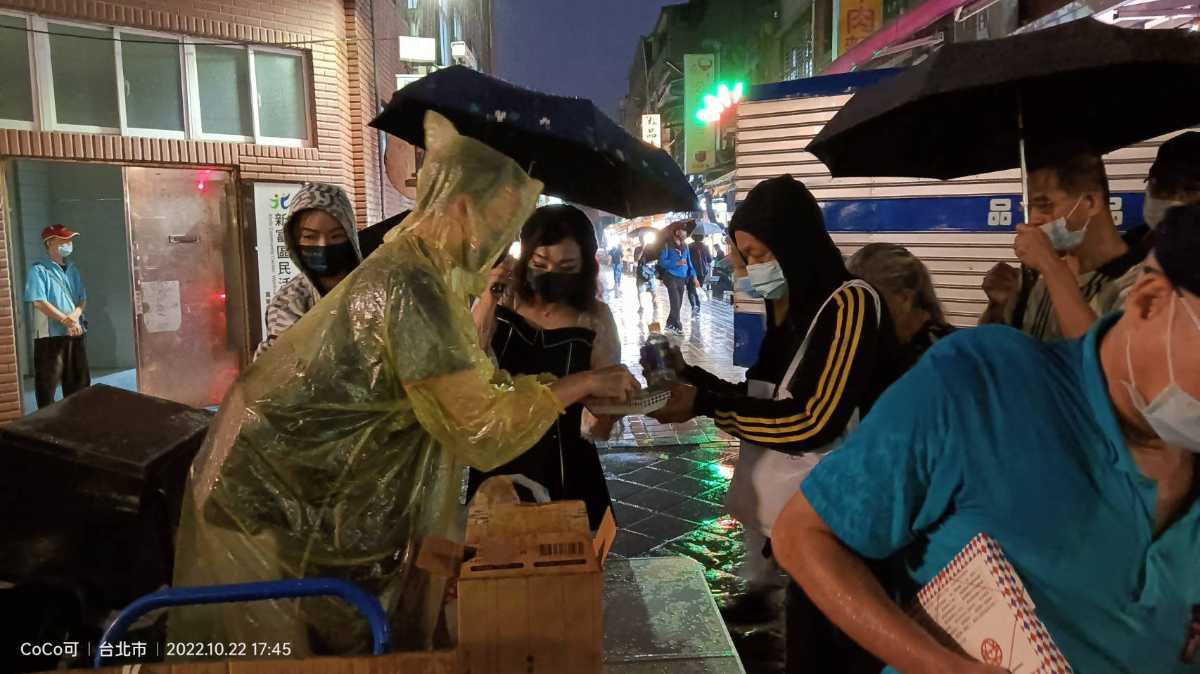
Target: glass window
pixel 84 68
pixel 223 76
pixel 17 101
pixel 153 84
pixel 280 82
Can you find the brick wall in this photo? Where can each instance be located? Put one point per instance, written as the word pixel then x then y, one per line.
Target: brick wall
pixel 343 153
pixel 10 386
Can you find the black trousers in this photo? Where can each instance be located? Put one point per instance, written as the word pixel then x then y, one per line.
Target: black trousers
pixel 59 360
pixel 693 295
pixel 675 287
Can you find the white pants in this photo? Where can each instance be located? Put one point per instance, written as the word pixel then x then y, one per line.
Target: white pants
pixel 761 573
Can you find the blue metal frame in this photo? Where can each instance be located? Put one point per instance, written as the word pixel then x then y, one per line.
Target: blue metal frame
pixel 822 85
pixel 279 589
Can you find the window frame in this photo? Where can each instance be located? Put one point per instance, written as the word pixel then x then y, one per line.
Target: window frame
pixel 44 105
pixel 21 124
pixel 49 107
pixel 142 132
pixel 195 125
pixel 306 94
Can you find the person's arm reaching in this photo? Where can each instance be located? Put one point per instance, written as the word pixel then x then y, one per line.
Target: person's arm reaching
pixel 848 593
pixel 606 352
pixel 895 478
pixel 1002 284
pixel 488 424
pixel 830 383
pixel 1074 315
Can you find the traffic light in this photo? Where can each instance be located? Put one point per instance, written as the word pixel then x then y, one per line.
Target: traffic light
pixel 717 104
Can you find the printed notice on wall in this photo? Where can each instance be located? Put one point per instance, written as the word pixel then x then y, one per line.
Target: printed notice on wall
pixel 161 311
pixel 275 266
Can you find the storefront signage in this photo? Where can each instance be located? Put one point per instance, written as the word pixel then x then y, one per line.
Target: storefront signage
pixel 275 267
pixel 859 18
pixel 652 130
pixel 993 213
pixel 699 138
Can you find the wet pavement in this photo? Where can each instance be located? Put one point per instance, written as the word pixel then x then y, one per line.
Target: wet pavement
pixel 668 482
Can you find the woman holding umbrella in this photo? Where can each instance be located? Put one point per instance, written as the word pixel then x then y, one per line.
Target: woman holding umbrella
pixel 829 351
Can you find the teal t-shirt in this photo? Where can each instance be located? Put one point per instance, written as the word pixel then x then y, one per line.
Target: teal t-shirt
pixel 994 432
pixel 64 289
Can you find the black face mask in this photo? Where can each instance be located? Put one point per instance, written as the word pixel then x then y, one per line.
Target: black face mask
pixel 554 286
pixel 332 260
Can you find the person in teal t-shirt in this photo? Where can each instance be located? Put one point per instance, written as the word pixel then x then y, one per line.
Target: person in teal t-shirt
pixel 56 291
pixel 1080 458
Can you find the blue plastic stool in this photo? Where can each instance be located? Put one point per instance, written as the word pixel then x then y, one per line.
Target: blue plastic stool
pixel 278 589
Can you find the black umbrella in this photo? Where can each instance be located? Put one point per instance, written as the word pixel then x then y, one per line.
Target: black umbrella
pixel 567 143
pixel 969 107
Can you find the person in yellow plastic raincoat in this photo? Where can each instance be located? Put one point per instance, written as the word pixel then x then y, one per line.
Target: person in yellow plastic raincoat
pixel 343 446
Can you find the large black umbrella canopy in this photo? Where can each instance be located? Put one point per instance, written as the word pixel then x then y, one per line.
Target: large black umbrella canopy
pixel 958 112
pixel 580 154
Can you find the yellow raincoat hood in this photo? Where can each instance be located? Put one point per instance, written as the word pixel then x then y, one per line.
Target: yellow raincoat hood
pixel 343 446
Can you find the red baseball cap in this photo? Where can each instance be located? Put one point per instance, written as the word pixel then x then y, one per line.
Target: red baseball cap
pixel 57 231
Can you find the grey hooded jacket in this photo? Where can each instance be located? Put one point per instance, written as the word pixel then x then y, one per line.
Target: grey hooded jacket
pixel 301 294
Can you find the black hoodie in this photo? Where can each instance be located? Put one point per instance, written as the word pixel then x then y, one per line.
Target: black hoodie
pixel 851 357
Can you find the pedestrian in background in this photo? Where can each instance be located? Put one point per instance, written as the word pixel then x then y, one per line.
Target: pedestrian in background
pixel 615 258
pixel 645 270
pixel 1074 260
pixel 908 290
pixel 676 270
pixel 702 264
pixel 1174 178
pixel 55 289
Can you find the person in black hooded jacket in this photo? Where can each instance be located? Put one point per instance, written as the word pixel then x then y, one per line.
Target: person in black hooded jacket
pixel 830 350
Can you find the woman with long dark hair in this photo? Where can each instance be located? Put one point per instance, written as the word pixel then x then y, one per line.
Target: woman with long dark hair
pixel 546 317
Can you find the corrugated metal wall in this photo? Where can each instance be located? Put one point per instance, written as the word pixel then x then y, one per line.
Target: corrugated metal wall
pixel 771 138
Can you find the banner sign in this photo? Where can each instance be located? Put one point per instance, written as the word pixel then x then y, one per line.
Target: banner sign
pixel 699 139
pixel 275 266
pixel 994 213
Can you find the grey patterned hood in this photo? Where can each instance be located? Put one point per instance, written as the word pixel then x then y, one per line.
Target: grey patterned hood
pixel 329 198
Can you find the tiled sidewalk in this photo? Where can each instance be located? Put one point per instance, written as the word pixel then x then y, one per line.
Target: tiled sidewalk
pixel 668 482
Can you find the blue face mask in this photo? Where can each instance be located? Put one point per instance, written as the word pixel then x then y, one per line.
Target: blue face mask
pixel 66 249
pixel 768 279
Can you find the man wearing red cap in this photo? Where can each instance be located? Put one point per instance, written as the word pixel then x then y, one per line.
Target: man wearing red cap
pixel 57 293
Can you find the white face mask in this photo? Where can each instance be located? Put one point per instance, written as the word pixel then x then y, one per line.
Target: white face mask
pixel 768 279
pixel 1174 414
pixel 743 284
pixel 66 249
pixel 1061 237
pixel 1155 209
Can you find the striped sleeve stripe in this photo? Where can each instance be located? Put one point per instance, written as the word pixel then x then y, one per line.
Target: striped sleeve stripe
pixel 845 306
pixel 824 402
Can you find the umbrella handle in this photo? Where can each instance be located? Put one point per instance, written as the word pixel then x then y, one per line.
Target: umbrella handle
pixel 1024 165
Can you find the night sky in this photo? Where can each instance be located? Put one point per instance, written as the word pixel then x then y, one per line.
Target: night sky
pixel 572 47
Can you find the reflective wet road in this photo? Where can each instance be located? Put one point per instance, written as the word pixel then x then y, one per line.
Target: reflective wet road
pixel 668 482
